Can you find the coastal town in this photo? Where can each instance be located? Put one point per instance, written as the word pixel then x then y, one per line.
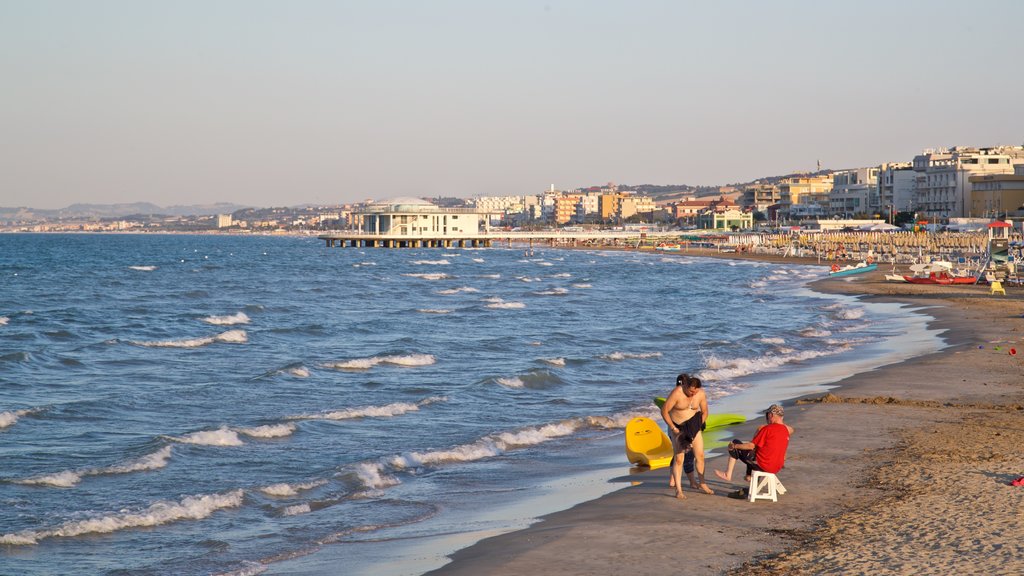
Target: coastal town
pixel 955 188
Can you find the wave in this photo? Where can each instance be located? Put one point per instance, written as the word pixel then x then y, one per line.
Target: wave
pixel 510 382
pixel 373 476
pixel 229 337
pixel 222 436
pixel 554 361
pixel 466 289
pixel 478 260
pixel 161 512
pixel 491 276
pixel 239 318
pixel 143 268
pixel 618 356
pixel 433 311
pixel 367 363
pixel 582 285
pixel 9 417
pixel 4 320
pixel 283 489
pixel 386 411
pixel 435 276
pixel 296 509
pixel 269 430
pixel 562 275
pixel 431 262
pixel 500 304
pixel 720 369
pixel 69 478
pixel 772 340
pixel 812 332
pixel 488 446
pixel 298 371
pixel 850 314
pixel 528 279
pixel 544 264
pixel 553 292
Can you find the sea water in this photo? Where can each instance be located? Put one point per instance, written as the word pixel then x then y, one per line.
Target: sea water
pixel 176 404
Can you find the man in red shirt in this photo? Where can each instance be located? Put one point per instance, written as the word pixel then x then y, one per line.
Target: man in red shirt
pixel 766 452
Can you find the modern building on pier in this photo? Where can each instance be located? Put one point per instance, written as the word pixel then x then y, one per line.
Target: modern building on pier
pixel 412 223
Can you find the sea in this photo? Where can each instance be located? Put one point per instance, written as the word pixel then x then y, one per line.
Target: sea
pixel 215 404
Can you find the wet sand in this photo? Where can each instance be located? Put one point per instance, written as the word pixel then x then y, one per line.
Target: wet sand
pixel 900 470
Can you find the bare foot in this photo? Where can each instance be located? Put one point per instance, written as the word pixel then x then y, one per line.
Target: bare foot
pixel 671 482
pixel 723 476
pixel 680 495
pixel 693 485
pixel 706 489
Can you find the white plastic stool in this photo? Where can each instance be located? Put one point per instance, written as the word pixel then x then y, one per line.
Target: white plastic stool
pixel 764 486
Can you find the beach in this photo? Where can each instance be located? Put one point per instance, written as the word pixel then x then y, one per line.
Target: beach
pixel 901 470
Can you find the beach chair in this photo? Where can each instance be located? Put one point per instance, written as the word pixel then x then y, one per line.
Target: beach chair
pixel 997 286
pixel 764 486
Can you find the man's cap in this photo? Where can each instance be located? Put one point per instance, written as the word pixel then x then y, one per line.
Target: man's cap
pixel 775 409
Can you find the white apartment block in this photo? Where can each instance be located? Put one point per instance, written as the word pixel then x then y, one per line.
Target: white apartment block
pixel 588 204
pixel 897 183
pixel 854 192
pixel 943 186
pixel 500 207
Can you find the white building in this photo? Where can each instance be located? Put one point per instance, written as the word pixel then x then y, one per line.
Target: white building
pixel 897 183
pixel 943 186
pixel 224 220
pixel 854 192
pixel 415 218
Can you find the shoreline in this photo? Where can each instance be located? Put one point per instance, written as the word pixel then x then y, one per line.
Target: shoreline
pixel 838 496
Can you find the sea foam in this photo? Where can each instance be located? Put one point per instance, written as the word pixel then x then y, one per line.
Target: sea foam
pixel 143 268
pixel 9 417
pixel 618 356
pixel 269 430
pixel 367 363
pixel 230 337
pixel 284 490
pixel 69 478
pixel 385 411
pixel 435 276
pixel 4 320
pixel 162 512
pixel 719 369
pixel 239 318
pixel 222 436
pixel 431 262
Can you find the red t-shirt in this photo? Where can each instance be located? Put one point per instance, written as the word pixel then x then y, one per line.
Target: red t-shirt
pixel 771 441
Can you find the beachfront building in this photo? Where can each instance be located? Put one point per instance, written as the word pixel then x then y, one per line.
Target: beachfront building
pixel 998 195
pixel 897 182
pixel 416 218
pixel 731 218
pixel 631 205
pixel 804 196
pixel 565 208
pixel 759 197
pixel 854 192
pixel 943 178
pixel 224 220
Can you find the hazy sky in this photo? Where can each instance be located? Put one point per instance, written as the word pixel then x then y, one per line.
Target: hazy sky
pixel 285 102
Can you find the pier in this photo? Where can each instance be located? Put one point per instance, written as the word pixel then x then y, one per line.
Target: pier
pixel 356 239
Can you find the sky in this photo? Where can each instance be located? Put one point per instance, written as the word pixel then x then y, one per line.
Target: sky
pixel 274 103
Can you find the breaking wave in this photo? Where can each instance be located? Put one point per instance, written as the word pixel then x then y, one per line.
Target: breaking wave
pixel 434 276
pixel 720 369
pixel 433 262
pixel 510 382
pixel 222 436
pixel 367 363
pixel 618 356
pixel 4 320
pixel 500 304
pixel 284 490
pixel 812 332
pixel 582 285
pixel 162 512
pixel 69 478
pixel 433 311
pixel 386 411
pixel 231 320
pixel 554 361
pixel 553 292
pixel 229 337
pixel 269 431
pixel 143 268
pixel 9 417
pixel 466 289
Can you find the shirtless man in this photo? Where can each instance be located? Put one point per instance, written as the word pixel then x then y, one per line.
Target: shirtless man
pixel 685 411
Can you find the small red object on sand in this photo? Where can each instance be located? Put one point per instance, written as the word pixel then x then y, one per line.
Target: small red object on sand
pixel 1013 351
pixel 1018 482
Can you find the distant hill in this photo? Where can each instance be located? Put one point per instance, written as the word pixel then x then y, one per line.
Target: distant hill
pixel 104 211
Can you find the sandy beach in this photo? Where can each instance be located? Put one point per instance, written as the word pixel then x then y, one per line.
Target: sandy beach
pixel 901 470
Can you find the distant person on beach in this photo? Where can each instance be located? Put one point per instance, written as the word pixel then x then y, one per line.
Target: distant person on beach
pixel 685 410
pixel 766 452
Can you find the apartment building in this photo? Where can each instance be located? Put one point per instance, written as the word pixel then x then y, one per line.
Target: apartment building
pixel 943 177
pixel 896 186
pixel 804 190
pixel 854 192
pixel 565 208
pixel 760 196
pixel 998 195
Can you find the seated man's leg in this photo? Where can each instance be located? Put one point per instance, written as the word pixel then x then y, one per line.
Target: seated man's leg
pixel 745 456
